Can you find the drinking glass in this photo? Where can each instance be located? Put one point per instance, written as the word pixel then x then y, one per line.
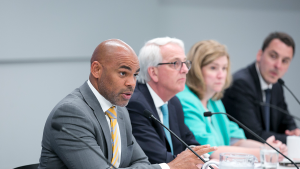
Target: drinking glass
pixel 233 161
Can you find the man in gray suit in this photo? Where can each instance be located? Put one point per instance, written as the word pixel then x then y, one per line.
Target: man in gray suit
pixel 95 113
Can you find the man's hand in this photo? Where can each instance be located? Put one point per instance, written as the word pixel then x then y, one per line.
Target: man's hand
pixel 188 159
pixel 295 132
pixel 278 144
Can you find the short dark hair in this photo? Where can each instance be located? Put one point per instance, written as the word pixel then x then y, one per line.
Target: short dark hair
pixel 283 37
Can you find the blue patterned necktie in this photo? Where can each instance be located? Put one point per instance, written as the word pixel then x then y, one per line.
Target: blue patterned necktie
pixel 267 109
pixel 165 112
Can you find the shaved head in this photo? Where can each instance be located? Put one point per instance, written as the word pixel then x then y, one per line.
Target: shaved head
pixel 114 67
pixel 105 51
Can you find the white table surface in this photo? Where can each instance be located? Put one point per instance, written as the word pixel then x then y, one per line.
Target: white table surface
pixel 279 167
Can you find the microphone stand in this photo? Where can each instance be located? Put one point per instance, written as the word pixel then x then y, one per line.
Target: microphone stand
pixel 250 131
pixel 277 108
pixel 149 115
pixel 280 81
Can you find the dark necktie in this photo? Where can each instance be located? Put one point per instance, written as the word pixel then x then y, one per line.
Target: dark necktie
pixel 267 109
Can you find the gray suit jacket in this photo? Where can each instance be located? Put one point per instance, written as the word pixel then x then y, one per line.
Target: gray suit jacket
pixel 81 113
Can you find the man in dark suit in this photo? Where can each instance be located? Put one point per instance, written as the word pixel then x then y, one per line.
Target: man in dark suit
pixel 162 75
pixel 95 113
pixel 258 83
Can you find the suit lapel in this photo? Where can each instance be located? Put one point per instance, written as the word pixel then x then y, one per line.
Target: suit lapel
pixel 173 126
pixel 122 130
pixel 92 101
pixel 173 117
pixel 144 89
pixel 254 74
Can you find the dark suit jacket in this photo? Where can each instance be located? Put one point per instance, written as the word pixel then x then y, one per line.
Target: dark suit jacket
pixel 150 134
pixel 81 113
pixel 240 98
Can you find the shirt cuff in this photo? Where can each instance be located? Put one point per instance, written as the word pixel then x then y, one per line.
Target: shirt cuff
pixel 164 166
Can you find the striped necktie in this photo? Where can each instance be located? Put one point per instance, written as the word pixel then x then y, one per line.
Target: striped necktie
pixel 111 113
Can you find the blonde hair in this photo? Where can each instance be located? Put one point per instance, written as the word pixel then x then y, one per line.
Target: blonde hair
pixel 202 54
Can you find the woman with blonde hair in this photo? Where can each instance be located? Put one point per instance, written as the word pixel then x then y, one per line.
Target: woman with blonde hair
pixel 206 81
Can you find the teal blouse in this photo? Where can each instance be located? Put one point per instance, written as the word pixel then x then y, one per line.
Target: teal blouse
pixel 217 132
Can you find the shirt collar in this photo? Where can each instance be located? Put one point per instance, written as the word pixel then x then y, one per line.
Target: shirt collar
pixel 263 83
pixel 158 102
pixel 105 104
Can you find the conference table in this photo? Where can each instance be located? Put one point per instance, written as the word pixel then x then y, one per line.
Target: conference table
pixel 282 167
pixel 278 167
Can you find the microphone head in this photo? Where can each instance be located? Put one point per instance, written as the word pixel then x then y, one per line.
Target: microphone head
pixel 207 114
pixel 280 81
pixel 147 113
pixel 57 126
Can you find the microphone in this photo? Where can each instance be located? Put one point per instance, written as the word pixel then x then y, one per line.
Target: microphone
pixel 208 114
pixel 59 127
pixel 280 81
pixel 277 108
pixel 149 115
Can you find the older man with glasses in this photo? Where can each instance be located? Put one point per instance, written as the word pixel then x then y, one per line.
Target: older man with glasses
pixel 163 69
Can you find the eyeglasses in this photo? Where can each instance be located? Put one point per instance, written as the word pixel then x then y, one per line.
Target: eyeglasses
pixel 178 64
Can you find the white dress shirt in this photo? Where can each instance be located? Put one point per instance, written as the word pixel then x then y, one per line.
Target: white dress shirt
pixel 263 83
pixel 158 102
pixel 105 105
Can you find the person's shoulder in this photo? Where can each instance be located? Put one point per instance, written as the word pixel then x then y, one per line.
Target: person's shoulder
pixel 138 102
pixel 245 74
pixel 138 92
pixel 186 94
pixel 242 74
pixel 73 98
pixel 175 101
pixel 188 98
pixel 72 103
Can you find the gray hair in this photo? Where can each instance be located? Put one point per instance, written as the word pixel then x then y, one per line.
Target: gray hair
pixel 150 55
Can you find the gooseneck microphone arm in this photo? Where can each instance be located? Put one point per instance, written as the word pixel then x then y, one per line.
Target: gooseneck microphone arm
pixel 277 108
pixel 149 115
pixel 208 114
pixel 59 127
pixel 280 81
pixel 257 102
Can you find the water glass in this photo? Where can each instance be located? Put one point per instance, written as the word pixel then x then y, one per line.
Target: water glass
pixel 233 161
pixel 268 157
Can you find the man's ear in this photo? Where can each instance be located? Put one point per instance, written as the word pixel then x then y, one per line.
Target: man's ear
pixel 153 73
pixel 96 69
pixel 258 55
